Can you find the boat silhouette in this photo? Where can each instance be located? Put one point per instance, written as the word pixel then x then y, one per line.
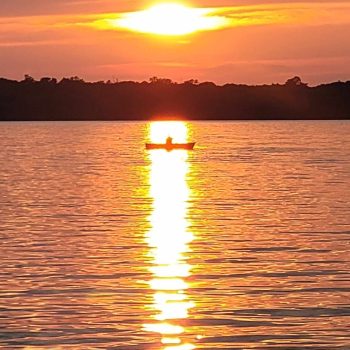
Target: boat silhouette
pixel 169 145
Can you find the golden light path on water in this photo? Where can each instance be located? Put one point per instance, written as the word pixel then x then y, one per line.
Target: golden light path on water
pixel 169 237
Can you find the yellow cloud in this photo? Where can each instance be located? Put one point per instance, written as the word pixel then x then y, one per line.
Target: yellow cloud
pixel 166 19
pixel 176 19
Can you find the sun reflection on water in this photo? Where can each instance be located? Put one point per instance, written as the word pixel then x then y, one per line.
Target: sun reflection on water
pixel 169 237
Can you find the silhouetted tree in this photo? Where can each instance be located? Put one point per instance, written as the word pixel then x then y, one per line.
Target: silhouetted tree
pixel 207 84
pixel 28 79
pixel 191 82
pixel 47 80
pixel 74 80
pixel 74 99
pixel 156 80
pixel 296 81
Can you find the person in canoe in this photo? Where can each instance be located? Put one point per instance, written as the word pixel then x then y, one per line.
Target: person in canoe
pixel 169 145
pixel 169 141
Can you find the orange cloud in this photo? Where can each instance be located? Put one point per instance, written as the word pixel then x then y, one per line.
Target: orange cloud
pixel 252 48
pixel 233 16
pixel 230 17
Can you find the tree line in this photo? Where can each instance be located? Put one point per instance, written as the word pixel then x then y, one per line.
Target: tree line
pixel 74 99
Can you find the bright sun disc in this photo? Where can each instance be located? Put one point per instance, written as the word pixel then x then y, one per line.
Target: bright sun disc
pixel 169 19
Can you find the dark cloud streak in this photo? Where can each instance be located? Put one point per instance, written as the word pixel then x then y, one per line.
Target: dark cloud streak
pixel 13 8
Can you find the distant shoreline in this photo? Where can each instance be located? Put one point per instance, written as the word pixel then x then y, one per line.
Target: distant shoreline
pixel 73 99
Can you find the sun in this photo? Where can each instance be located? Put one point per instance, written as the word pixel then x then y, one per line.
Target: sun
pixel 172 19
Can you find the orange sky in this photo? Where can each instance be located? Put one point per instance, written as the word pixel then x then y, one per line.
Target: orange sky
pixel 267 41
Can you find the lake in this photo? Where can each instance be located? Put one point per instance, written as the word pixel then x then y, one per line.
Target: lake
pixel 242 243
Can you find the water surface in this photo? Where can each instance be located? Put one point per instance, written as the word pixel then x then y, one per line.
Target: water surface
pixel 240 244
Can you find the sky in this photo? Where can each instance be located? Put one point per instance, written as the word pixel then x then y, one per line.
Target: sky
pixel 257 42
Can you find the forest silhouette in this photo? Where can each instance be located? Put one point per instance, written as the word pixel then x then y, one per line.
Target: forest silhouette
pixel 74 99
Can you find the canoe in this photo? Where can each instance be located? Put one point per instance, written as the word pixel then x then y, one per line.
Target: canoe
pixel 170 146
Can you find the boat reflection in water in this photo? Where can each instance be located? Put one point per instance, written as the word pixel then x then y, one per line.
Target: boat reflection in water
pixel 169 238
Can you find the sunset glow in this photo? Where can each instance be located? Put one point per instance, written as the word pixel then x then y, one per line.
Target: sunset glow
pixel 175 174
pixel 169 19
pixel 240 42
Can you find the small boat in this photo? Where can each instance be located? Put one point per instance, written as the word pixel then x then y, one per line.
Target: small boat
pixel 169 146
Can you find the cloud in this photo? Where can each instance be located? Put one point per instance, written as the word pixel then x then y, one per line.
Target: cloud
pixel 278 70
pixel 233 16
pixel 305 13
pixel 264 42
pixel 11 8
pixel 25 8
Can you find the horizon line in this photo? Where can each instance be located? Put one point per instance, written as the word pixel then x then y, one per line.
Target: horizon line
pixel 154 80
